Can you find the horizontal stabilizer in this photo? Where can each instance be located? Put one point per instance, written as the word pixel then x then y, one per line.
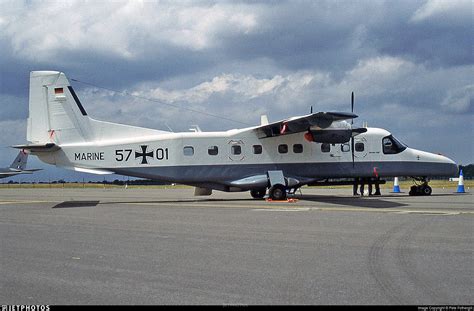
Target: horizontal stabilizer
pixel 17 172
pixel 48 147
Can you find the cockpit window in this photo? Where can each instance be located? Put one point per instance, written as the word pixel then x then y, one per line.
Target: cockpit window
pixel 391 145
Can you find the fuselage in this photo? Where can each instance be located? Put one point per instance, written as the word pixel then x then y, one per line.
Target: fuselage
pixel 219 160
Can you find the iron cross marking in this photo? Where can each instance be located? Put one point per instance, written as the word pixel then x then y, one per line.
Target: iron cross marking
pixel 143 154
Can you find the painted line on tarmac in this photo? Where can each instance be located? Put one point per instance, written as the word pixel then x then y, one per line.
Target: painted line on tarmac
pixel 432 213
pixel 281 208
pixel 289 207
pixel 296 209
pixel 25 202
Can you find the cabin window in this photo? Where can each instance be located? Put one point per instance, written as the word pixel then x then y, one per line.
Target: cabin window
pixel 297 148
pixel 188 151
pixel 213 150
pixel 391 145
pixel 257 149
pixel 345 148
pixel 283 148
pixel 325 147
pixel 236 150
pixel 359 147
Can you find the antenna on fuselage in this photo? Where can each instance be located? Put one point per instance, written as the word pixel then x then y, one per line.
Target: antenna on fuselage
pixel 169 128
pixel 195 128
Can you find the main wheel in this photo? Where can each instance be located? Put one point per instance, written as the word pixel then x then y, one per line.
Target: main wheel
pixel 277 192
pixel 426 190
pixel 258 193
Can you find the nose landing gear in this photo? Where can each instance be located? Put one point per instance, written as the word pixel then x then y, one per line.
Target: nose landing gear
pixel 420 189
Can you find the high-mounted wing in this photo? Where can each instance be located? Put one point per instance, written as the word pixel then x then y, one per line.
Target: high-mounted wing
pixel 301 124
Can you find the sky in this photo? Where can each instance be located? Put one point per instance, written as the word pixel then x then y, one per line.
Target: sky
pixel 409 63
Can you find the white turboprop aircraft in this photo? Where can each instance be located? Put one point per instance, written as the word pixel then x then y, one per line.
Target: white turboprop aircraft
pixel 280 156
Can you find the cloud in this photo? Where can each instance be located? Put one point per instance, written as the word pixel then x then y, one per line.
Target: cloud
pixel 379 83
pixel 433 8
pixel 124 28
pixel 460 100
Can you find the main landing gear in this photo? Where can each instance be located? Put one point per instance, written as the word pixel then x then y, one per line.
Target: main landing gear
pixel 276 192
pixel 258 193
pixel 420 189
pixel 279 187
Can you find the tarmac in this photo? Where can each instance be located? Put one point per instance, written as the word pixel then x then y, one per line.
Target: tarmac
pixel 165 246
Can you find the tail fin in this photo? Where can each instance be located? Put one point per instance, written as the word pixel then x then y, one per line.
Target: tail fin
pixel 56 114
pixel 20 161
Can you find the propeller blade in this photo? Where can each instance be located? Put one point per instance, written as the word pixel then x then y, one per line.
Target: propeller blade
pixel 352 150
pixel 352 106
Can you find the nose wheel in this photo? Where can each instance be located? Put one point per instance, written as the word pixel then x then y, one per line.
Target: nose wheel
pixel 421 189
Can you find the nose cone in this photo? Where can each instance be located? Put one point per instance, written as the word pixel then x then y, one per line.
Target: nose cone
pixel 448 167
pixel 435 164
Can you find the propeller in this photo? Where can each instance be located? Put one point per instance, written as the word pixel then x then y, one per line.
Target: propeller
pixel 352 106
pixel 352 136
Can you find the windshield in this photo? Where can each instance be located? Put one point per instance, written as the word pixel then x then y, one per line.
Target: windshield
pixel 391 145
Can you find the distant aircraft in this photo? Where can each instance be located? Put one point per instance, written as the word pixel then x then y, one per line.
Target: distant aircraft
pixel 17 167
pixel 280 156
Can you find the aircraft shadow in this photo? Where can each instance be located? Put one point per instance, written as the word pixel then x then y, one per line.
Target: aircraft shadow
pixel 347 201
pixel 352 201
pixel 69 204
pixel 177 201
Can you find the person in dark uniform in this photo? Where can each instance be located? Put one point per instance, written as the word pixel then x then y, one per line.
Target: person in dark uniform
pixel 377 186
pixel 362 185
pixel 369 185
pixel 355 186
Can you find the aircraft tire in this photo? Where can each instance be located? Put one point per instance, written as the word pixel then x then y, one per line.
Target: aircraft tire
pixel 277 192
pixel 426 190
pixel 420 190
pixel 258 193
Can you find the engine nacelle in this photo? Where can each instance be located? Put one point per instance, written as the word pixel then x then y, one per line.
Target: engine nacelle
pixel 338 133
pixel 331 136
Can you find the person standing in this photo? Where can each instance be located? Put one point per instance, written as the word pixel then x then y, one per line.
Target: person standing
pixel 355 186
pixel 377 186
pixel 369 185
pixel 362 185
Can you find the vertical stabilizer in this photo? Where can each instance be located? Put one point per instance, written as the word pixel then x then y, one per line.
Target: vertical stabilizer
pixel 55 113
pixel 20 161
